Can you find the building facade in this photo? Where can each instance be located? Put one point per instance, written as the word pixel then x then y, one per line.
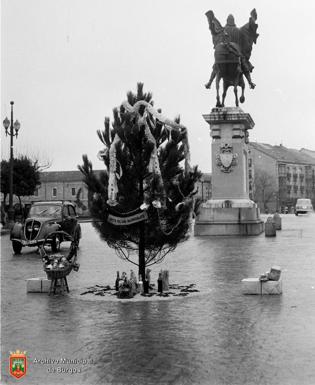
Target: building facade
pixel 293 173
pixel 68 185
pixel 62 185
pixel 204 189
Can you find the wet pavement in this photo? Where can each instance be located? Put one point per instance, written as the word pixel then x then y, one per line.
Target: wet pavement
pixel 218 337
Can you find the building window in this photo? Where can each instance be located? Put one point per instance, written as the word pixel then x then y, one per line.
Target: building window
pixel 282 170
pixel 54 192
pixel 73 191
pixel 302 190
pixel 282 181
pixel 295 189
pixel 289 190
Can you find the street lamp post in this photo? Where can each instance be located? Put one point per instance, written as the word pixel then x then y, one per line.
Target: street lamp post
pixel 14 129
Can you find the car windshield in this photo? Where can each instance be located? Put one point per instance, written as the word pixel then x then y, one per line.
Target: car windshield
pixel 303 202
pixel 45 211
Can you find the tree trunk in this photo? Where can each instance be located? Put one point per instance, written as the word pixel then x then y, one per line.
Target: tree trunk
pixel 142 252
pixel 142 225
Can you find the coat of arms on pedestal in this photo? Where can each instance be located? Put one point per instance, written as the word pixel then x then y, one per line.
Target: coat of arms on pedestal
pixel 226 160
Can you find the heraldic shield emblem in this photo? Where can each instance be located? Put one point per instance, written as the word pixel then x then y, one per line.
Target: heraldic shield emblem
pixel 226 159
pixel 18 364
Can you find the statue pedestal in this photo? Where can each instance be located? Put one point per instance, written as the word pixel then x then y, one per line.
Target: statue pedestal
pixel 230 211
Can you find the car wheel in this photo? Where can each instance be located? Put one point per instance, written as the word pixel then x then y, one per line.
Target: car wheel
pixel 17 247
pixel 55 244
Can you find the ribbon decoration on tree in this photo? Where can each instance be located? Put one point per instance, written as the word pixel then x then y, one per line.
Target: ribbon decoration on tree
pixel 154 161
pixel 169 125
pixel 113 175
pixel 153 166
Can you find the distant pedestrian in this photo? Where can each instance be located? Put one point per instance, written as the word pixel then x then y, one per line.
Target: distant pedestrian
pixel 4 215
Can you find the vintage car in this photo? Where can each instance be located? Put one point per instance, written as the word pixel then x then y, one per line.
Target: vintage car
pixel 43 219
pixel 303 206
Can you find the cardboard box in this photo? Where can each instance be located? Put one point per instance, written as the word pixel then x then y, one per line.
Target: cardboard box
pixel 254 286
pixel 272 287
pixel 37 285
pixel 275 273
pixel 251 286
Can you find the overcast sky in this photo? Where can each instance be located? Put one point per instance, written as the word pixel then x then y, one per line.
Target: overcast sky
pixel 67 63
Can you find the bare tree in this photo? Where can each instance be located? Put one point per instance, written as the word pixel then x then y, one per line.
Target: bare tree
pixel 41 162
pixel 26 177
pixel 265 188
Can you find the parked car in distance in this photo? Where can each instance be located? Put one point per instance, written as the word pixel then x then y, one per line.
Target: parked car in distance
pixel 45 218
pixel 303 206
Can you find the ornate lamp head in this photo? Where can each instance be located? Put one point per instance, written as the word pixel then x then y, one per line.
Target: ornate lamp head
pixel 16 126
pixel 6 125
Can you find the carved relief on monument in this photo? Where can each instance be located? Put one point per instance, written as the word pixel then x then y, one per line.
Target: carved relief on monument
pixel 225 159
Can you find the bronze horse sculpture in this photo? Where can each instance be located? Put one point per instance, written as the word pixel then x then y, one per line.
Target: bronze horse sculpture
pixel 228 68
pixel 233 48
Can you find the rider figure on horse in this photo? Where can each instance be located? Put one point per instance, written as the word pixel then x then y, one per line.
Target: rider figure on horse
pixel 238 41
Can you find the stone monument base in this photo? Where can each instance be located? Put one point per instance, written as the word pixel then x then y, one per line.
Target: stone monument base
pixel 228 217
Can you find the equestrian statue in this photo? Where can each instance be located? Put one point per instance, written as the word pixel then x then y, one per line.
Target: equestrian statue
pixel 232 50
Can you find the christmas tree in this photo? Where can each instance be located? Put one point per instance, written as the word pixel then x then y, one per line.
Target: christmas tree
pixel 141 204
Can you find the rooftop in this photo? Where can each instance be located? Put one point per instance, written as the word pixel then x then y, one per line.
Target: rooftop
pixel 57 176
pixel 308 152
pixel 287 155
pixel 205 177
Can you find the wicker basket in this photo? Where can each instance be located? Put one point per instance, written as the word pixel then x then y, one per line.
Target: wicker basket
pixel 58 273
